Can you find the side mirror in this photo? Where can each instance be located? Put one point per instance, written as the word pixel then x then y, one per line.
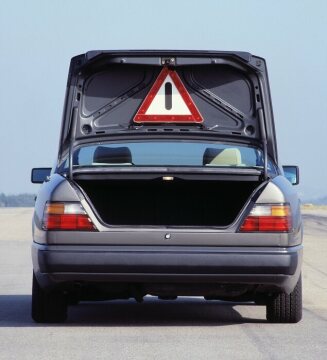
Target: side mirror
pixel 39 175
pixel 291 172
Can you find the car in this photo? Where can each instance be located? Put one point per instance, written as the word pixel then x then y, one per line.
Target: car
pixel 167 183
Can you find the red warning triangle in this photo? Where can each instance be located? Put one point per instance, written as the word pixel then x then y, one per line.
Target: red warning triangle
pixel 168 101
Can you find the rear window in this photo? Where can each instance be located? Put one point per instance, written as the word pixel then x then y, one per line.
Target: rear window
pixel 168 153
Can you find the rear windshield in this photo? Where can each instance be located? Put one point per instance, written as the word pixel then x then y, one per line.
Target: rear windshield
pixel 168 153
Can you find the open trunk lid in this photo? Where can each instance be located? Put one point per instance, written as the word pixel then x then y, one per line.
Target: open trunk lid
pixel 227 95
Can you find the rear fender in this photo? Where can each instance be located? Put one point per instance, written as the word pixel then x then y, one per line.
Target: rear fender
pixel 279 190
pixel 58 188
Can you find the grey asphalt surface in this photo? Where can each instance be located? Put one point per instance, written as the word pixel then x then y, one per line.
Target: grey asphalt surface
pixel 189 328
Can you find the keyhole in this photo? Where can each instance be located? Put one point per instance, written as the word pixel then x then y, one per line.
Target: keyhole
pixel 168 97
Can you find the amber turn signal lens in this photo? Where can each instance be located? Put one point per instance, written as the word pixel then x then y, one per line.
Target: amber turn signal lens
pixel 55 208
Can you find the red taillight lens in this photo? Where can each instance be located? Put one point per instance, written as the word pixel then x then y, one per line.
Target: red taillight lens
pixel 268 218
pixel 66 216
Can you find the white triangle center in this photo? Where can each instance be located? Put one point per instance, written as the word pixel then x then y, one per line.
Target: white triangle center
pixel 158 104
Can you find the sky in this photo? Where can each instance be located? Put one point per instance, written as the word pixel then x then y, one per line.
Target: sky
pixel 38 38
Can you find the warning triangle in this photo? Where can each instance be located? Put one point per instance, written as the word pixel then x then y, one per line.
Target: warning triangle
pixel 168 101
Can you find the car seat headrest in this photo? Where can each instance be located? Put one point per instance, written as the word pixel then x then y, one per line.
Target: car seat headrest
pixel 222 157
pixel 110 155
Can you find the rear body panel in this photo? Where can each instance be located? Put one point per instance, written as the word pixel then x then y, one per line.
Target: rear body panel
pixel 59 189
pixel 165 255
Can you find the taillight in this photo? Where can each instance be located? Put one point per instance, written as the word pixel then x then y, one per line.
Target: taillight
pixel 268 218
pixel 66 216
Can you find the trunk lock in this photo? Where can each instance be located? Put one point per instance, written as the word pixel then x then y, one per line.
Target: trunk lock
pixel 167 236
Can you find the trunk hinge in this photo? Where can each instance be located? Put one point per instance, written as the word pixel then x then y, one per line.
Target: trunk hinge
pixel 264 143
pixel 71 143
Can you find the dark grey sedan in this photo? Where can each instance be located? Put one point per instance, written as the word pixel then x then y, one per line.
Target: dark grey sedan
pixel 167 183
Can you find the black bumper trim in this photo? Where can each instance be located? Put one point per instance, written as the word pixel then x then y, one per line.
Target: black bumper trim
pixel 151 260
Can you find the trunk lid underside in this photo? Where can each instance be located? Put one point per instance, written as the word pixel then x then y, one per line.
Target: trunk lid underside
pixel 106 90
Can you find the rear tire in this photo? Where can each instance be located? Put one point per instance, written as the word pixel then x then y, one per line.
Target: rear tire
pixel 47 307
pixel 286 308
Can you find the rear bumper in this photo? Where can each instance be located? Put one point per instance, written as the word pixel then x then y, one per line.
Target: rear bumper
pixel 265 266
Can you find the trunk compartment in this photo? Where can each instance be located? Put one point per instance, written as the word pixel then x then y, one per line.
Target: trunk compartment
pixel 168 203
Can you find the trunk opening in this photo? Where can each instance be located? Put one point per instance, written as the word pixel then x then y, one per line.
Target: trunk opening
pixel 168 203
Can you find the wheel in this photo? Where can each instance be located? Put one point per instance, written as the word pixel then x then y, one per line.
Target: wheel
pixel 286 308
pixel 47 307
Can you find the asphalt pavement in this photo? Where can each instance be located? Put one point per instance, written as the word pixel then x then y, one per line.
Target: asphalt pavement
pixel 188 328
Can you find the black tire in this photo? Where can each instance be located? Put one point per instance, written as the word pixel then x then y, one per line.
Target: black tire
pixel 286 308
pixel 47 307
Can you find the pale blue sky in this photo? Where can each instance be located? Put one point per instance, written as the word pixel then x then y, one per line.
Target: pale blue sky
pixel 38 38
